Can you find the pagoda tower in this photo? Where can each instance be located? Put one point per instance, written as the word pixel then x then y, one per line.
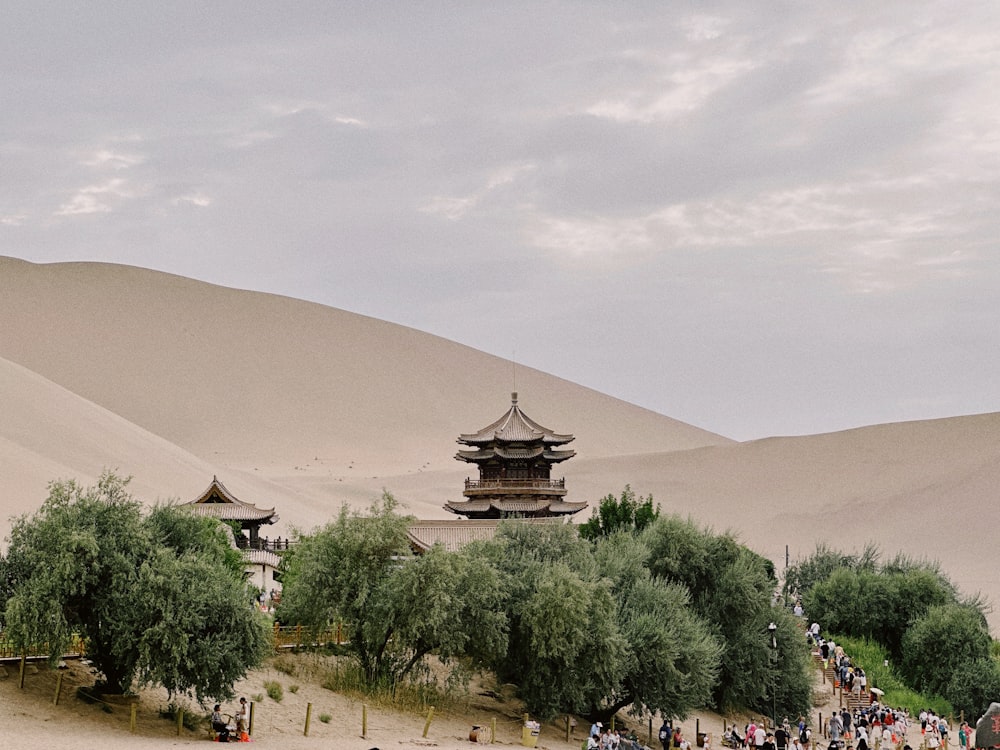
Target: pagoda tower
pixel 515 455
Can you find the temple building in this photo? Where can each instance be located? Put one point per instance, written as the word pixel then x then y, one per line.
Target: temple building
pixel 259 553
pixel 515 455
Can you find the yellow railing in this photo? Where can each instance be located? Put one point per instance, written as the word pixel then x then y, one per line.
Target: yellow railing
pixel 284 636
pixel 296 636
pixel 7 651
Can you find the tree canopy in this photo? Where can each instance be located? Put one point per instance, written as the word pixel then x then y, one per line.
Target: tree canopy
pixel 939 640
pixel 397 608
pixel 626 513
pixel 644 616
pixel 158 599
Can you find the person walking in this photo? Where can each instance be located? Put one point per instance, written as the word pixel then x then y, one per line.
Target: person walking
pixel 664 734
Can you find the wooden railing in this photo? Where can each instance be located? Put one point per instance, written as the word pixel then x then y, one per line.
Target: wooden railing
pixel 297 636
pixel 7 650
pixel 532 484
pixel 271 545
pixel 283 636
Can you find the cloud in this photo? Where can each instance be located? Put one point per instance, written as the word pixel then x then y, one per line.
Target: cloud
pixel 113 159
pixel 100 198
pixel 454 208
pixel 849 230
pixel 196 198
pixel 684 87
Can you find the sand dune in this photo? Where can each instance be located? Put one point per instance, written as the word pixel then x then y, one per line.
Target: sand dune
pixel 250 379
pixel 306 407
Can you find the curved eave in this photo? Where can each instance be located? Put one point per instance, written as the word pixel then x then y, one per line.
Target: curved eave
pixel 514 427
pixel 558 456
pixel 566 508
pixel 475 456
pixel 233 512
pixel 261 557
pixel 469 506
pixel 514 454
pixel 557 507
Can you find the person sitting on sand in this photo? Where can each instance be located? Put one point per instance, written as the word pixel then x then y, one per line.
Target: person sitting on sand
pixel 219 724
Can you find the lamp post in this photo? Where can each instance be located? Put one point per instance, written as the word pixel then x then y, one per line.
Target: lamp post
pixel 771 628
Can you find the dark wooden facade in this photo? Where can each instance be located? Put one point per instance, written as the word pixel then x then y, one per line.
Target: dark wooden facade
pixel 515 456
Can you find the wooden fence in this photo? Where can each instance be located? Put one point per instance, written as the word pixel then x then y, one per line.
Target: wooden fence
pixel 283 637
pixel 296 636
pixel 7 650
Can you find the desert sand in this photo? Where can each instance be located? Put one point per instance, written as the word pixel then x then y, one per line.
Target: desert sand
pixel 31 719
pixel 305 407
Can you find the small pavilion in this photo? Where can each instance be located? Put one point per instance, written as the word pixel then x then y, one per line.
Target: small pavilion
pixel 259 553
pixel 218 502
pixel 515 456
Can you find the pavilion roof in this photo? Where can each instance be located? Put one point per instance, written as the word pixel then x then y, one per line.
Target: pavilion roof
pixel 454 535
pixel 554 506
pixel 499 451
pixel 514 427
pixel 219 502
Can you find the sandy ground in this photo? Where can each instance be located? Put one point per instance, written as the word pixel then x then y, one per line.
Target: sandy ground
pixel 29 718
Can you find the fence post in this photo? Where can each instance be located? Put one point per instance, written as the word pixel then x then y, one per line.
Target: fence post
pixel 493 730
pixel 364 721
pixel 427 724
pixel 309 708
pixel 24 662
pixel 131 719
pixel 55 700
pixel 250 726
pixel 180 720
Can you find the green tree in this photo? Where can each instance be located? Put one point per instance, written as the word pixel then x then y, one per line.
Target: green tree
pixel 565 650
pixel 396 608
pixel 88 562
pixel 626 513
pixel 820 565
pixel 940 643
pixel 731 588
pixel 672 659
pixel 879 605
pixel 973 686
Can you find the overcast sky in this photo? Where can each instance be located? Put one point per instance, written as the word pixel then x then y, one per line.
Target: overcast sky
pixel 761 218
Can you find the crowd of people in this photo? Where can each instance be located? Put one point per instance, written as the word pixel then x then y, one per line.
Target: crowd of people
pixel 604 738
pixel 871 725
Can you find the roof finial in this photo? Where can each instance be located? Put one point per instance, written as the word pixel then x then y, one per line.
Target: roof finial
pixel 513 398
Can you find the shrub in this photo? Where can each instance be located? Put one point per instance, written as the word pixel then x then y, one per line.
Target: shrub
pixel 937 645
pixel 325 718
pixel 284 664
pixel 274 690
pixel 293 688
pixel 973 686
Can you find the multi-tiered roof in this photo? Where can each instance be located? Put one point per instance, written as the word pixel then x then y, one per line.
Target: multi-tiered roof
pixel 515 455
